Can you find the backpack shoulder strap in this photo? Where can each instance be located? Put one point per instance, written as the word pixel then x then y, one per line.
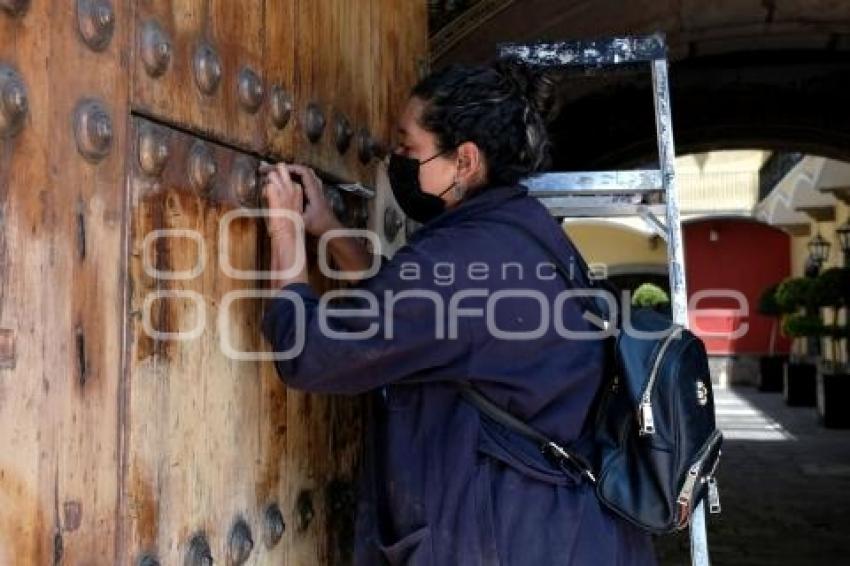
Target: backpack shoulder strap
pixel 559 454
pixel 562 456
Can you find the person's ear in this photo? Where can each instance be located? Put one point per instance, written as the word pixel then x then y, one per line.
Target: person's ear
pixel 470 165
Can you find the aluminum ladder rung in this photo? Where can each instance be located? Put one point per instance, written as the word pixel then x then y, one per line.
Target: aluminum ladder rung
pixel 589 53
pixel 592 200
pixel 609 211
pixel 557 184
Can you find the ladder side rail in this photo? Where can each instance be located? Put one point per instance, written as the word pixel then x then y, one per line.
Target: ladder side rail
pixel 667 165
pixel 676 256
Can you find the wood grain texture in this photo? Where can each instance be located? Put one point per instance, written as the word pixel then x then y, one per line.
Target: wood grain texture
pixel 117 444
pixel 279 62
pixel 400 51
pixel 333 70
pixel 61 297
pixel 28 459
pixel 194 416
pixel 234 30
pixel 209 439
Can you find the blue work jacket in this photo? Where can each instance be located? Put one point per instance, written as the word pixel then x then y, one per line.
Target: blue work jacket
pixel 441 484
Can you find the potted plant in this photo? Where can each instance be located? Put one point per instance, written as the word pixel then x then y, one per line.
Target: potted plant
pixel 799 380
pixel 771 365
pixel 651 296
pixel 832 291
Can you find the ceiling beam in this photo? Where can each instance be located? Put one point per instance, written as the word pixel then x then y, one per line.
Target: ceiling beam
pixel 819 213
pixel 795 229
pixel 841 193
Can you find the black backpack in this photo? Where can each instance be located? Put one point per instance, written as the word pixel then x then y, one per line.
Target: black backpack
pixel 650 444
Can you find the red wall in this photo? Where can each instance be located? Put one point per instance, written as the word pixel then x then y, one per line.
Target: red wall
pixel 747 256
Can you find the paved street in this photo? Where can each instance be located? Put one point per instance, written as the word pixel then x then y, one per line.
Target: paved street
pixel 785 488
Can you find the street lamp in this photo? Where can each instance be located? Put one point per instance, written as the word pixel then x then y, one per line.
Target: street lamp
pixel 819 249
pixel 843 235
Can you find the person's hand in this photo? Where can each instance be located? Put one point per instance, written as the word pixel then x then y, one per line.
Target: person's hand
pixel 281 193
pixel 318 215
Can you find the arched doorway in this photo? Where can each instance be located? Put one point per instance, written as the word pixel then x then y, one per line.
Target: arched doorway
pixel 738 70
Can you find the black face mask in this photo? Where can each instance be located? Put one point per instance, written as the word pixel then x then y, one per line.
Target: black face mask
pixel 404 180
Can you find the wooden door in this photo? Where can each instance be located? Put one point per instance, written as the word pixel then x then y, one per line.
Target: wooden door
pixel 62 164
pixel 199 64
pixel 219 456
pixel 131 432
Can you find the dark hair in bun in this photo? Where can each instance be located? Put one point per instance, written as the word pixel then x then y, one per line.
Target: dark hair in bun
pixel 500 108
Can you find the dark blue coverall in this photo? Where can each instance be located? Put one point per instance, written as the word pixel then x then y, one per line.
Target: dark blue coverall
pixel 442 484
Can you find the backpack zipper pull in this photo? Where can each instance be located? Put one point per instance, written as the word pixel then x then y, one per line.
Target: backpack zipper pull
pixel 647 421
pixel 684 499
pixel 713 496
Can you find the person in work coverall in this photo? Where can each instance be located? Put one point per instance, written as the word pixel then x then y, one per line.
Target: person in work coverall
pixel 468 298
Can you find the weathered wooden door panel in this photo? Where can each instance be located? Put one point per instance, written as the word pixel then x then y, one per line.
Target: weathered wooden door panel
pixel 279 59
pixel 400 52
pixel 174 482
pixel 27 454
pixel 61 201
pixel 194 419
pixel 333 83
pixel 294 79
pixel 118 444
pixel 199 64
pixel 213 443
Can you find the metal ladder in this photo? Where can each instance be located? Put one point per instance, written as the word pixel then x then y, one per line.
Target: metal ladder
pixel 613 193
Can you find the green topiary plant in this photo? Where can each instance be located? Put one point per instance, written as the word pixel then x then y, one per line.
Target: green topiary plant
pixel 768 306
pixel 650 296
pixel 832 288
pixel 803 325
pixel 794 293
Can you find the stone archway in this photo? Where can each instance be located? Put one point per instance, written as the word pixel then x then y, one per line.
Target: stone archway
pixel 751 73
